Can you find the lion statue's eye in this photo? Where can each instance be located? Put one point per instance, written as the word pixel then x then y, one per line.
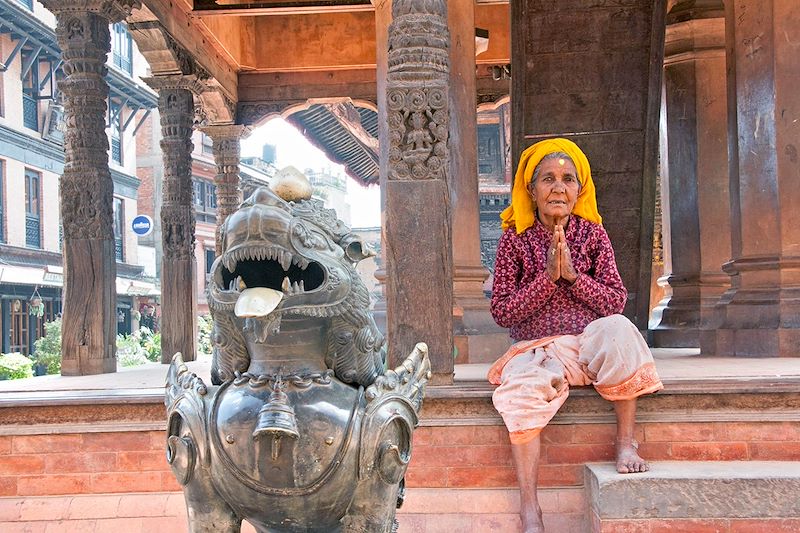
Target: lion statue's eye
pixel 311 239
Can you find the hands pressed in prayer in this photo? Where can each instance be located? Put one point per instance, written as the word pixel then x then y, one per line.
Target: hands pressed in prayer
pixel 554 258
pixel 559 260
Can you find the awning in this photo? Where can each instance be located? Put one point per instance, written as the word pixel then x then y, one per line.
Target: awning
pixel 53 276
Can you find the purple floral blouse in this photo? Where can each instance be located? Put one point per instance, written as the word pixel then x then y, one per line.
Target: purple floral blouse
pixel 527 301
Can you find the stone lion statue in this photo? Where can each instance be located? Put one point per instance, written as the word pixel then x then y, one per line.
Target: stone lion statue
pixel 303 429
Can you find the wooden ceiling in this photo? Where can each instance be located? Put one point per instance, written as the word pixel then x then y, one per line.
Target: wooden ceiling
pixel 303 35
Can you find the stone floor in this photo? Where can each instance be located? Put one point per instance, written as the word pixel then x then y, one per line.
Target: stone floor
pixel 675 366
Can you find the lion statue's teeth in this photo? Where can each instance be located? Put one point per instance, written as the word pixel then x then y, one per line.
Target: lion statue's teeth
pixel 257 302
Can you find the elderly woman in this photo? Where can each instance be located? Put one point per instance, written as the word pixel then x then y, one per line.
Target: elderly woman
pixel 557 287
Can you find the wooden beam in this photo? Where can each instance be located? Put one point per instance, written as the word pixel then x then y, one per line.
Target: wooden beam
pixel 194 38
pixel 358 84
pixel 247 11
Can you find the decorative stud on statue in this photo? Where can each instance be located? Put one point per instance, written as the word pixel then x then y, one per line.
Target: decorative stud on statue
pixel 303 429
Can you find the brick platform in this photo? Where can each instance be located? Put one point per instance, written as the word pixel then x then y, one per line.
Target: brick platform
pixel 92 459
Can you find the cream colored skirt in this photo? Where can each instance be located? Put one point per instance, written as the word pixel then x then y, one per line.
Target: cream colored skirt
pixel 534 376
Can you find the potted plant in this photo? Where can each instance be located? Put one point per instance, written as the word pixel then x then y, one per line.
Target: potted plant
pixel 35 304
pixel 36 307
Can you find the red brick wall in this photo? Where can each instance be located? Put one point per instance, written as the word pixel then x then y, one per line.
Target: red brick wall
pixel 145 173
pixel 146 200
pixel 480 456
pixel 453 456
pixel 88 463
pixel 144 137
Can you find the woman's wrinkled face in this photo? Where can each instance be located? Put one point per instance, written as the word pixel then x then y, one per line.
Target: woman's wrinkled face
pixel 556 189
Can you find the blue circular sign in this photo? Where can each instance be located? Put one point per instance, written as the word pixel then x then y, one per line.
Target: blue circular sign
pixel 142 225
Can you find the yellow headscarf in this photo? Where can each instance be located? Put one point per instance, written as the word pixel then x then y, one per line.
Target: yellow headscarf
pixel 522 211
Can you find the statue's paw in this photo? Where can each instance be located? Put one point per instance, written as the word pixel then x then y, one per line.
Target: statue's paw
pixel 180 379
pixel 407 380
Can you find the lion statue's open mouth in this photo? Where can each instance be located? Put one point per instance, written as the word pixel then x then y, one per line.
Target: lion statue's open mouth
pixel 266 275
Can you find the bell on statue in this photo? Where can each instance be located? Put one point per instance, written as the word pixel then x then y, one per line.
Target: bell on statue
pixel 276 418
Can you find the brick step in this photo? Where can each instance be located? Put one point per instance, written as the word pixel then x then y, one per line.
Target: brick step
pixel 722 496
pixel 424 511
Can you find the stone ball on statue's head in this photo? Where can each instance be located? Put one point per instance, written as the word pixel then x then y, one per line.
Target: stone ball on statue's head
pixel 291 185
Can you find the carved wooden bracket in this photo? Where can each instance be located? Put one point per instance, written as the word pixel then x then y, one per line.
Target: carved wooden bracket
pixel 254 113
pixel 113 10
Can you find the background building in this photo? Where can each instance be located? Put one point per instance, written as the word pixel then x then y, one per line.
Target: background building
pixel 31 162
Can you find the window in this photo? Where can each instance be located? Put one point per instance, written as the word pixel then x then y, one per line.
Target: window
pixel 489 160
pixel 115 112
pixel 26 3
pixel 204 198
pixel 119 224
pixel 210 256
pixel 121 47
pixel 18 330
pixel 33 209
pixel 207 144
pixel 30 90
pixel 211 196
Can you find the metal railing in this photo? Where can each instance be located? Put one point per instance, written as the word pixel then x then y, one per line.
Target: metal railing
pixel 33 232
pixel 30 112
pixel 116 150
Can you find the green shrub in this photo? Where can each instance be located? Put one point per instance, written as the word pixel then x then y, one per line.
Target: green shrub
pixel 204 327
pixel 151 342
pixel 131 358
pixel 47 349
pixel 130 351
pixel 15 366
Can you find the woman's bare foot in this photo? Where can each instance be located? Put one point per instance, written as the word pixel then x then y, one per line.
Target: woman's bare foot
pixel 532 520
pixel 628 459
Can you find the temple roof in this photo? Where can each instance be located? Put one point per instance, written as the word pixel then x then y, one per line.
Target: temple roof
pixel 348 135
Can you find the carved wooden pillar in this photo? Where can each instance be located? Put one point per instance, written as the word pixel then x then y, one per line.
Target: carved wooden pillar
pixel 695 166
pixel 178 269
pixel 227 150
pixel 472 320
pixel 414 172
pixel 88 336
pixel 760 315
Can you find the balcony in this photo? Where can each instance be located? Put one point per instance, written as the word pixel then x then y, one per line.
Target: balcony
pixel 30 112
pixel 33 232
pixel 116 150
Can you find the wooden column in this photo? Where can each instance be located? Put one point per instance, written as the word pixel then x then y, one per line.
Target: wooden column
pixel 760 315
pixel 591 71
pixel 383 17
pixel 472 321
pixel 88 337
pixel 178 268
pixel 415 174
pixel 695 166
pixel 227 150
